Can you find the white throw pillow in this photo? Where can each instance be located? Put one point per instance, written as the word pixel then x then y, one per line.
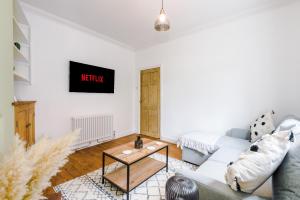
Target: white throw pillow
pixel 257 164
pixel 264 124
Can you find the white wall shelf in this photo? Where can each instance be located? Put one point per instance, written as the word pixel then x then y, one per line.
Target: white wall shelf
pixel 21 30
pixel 19 13
pixel 20 35
pixel 19 56
pixel 19 77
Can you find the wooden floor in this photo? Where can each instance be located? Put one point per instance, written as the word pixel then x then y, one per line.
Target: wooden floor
pixel 90 159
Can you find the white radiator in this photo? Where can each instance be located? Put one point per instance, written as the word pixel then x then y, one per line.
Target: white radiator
pixel 94 128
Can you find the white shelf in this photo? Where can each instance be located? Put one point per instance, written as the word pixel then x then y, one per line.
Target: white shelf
pixel 19 77
pixel 19 35
pixel 19 13
pixel 22 72
pixel 19 56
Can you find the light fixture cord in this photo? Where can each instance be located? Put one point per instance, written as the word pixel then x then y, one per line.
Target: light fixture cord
pixel 162 4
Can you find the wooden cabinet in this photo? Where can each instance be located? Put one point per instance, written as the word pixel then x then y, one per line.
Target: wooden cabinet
pixel 24 121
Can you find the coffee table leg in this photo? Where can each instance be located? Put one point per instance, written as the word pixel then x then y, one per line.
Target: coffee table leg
pixel 128 175
pixel 167 158
pixel 103 166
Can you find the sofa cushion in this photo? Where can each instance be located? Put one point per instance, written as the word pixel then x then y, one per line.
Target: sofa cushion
pixel 216 165
pixel 226 155
pixel 286 184
pixel 232 142
pixel 239 133
pixel 213 169
pixel 220 159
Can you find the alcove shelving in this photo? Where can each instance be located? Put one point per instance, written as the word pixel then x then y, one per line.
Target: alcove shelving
pixel 21 35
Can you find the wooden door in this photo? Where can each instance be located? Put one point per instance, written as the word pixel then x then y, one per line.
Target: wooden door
pixel 150 102
pixel 31 125
pixel 21 118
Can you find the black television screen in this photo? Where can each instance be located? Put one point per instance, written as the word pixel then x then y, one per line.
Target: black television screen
pixel 91 79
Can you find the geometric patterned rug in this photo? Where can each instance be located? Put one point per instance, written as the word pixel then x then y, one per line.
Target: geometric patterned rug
pixel 90 187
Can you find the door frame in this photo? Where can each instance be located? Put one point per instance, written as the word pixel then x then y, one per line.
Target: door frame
pixel 139 96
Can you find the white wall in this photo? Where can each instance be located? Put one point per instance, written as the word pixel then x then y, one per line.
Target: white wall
pixel 213 80
pixel 54 44
pixel 226 75
pixel 6 75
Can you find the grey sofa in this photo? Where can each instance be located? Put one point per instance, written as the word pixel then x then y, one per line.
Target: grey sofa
pixel 210 174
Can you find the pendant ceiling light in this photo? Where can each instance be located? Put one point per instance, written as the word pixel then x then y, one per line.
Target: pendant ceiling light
pixel 162 22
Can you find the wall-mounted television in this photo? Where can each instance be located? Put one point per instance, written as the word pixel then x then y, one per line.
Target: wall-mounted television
pixel 91 79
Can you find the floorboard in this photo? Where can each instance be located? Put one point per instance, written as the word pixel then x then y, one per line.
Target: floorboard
pixel 90 159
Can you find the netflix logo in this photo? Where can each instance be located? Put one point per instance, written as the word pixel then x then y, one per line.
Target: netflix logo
pixel 92 78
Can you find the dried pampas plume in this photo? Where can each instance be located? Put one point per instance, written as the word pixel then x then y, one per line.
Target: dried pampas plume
pixel 48 156
pixel 15 172
pixel 25 174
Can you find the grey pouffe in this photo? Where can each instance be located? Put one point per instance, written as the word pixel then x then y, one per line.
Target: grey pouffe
pixel 181 188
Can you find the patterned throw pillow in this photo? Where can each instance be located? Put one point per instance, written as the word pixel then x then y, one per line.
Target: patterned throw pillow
pixel 264 124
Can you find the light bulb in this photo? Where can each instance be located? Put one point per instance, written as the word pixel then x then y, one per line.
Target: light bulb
pixel 162 17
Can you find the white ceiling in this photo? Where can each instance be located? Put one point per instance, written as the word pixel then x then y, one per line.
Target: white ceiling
pixel 131 22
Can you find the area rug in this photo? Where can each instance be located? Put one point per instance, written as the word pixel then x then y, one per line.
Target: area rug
pixel 90 187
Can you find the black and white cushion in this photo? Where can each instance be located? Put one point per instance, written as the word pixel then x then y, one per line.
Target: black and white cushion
pixel 264 124
pixel 256 165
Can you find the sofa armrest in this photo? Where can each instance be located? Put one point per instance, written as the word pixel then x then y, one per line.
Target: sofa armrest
pixel 210 189
pixel 239 133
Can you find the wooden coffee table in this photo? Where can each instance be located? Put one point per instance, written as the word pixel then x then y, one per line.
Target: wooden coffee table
pixel 138 166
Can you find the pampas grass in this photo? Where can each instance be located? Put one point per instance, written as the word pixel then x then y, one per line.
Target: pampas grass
pixel 15 172
pixel 25 174
pixel 48 156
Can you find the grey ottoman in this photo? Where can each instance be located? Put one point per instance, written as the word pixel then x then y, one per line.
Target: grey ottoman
pixel 181 188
